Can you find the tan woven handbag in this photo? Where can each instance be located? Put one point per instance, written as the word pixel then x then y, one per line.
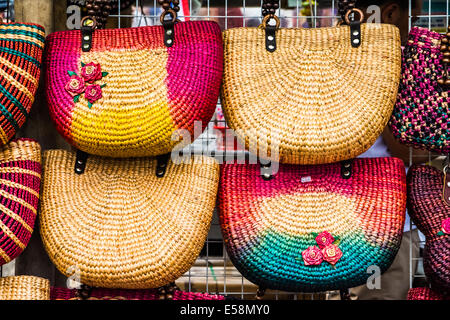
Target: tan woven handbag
pixel 24 288
pixel 117 224
pixel 313 96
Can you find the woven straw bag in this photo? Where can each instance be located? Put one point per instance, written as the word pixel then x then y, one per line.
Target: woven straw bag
pixel 119 225
pixel 24 288
pixel 20 178
pixel 421 114
pixel 129 92
pixel 21 46
pixel 425 294
pixel 429 208
pixel 310 96
pixel 121 294
pixel 313 228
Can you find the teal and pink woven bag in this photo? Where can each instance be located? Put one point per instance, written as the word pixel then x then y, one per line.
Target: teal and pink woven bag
pixel 313 228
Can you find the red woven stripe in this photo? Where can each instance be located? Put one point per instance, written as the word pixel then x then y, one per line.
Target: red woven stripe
pixel 7 244
pixel 121 294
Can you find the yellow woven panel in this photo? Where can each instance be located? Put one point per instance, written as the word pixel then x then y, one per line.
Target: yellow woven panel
pixel 317 97
pixel 24 288
pixel 121 119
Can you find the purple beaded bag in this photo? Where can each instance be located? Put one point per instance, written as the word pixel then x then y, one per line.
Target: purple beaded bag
pixel 421 114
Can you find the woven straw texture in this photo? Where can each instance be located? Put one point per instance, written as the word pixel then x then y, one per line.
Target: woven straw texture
pixel 151 91
pixel 20 178
pixel 315 99
pixel 428 210
pixel 425 294
pixel 268 224
pixel 21 47
pixel 120 225
pixel 24 288
pixel 117 294
pixel 421 114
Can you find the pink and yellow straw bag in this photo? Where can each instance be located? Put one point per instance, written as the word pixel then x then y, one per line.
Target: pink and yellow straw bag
pixel 125 92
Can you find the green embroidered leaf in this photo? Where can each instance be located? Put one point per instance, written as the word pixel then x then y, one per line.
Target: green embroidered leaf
pixel 315 234
pixel 104 74
pixel 440 233
pixel 337 242
pixel 76 98
pixel 83 64
pixel 103 85
pixel 71 73
pixel 90 105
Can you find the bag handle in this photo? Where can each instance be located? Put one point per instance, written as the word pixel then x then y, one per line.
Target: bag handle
pixel 99 10
pixel 346 8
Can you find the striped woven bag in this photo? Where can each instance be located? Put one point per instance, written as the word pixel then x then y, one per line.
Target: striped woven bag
pixel 126 92
pixel 310 96
pixel 24 288
pixel 20 177
pixel 313 228
pixel 425 294
pixel 421 115
pixel 21 46
pixel 122 223
pixel 429 208
pixel 122 294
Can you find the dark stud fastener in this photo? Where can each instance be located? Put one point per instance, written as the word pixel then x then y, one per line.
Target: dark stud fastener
pixel 260 293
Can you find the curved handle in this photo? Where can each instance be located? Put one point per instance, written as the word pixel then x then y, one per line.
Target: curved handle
pixel 99 10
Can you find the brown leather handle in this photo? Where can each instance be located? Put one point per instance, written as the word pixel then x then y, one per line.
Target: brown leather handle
pixel 345 6
pixel 269 7
pixel 99 10
pixel 170 7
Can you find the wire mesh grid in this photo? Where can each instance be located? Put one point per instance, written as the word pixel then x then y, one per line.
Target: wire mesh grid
pixel 213 271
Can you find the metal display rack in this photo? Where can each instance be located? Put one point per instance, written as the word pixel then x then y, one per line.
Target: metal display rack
pixel 213 271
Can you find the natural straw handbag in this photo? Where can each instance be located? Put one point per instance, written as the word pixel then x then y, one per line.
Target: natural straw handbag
pixel 21 46
pixel 126 92
pixel 429 208
pixel 119 225
pixel 310 96
pixel 20 179
pixel 421 115
pixel 313 228
pixel 24 288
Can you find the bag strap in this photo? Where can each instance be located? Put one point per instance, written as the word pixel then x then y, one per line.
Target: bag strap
pixel 99 10
pixel 170 9
pixel 346 8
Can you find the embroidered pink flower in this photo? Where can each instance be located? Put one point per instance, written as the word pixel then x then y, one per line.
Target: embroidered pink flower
pixel 93 93
pixel 91 72
pixel 75 86
pixel 446 226
pixel 324 239
pixel 332 254
pixel 312 256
